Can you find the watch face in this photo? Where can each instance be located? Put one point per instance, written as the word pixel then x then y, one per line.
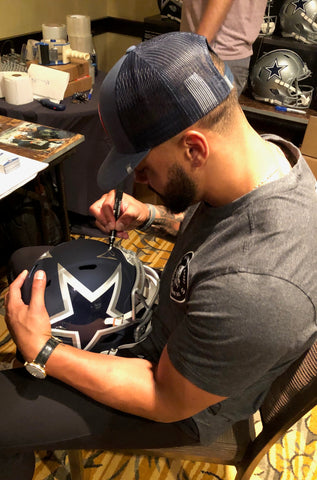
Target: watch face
pixel 36 370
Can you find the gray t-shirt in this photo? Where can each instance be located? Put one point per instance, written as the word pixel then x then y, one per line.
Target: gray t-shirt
pixel 239 293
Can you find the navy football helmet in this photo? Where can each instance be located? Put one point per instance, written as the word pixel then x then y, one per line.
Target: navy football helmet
pixel 97 299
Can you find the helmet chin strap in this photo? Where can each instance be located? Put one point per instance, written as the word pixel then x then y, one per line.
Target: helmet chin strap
pixel 117 321
pixel 140 333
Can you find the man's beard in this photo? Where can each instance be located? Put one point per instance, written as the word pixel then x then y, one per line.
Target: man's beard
pixel 180 191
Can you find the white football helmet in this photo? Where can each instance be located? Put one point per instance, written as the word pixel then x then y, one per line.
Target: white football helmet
pixel 298 19
pixel 275 79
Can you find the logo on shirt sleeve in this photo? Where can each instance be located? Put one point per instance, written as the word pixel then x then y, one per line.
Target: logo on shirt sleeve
pixel 179 282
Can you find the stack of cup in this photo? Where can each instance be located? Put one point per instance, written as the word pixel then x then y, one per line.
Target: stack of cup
pixel 79 33
pixel 55 32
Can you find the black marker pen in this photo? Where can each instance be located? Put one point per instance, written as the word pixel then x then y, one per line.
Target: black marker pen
pixel 116 212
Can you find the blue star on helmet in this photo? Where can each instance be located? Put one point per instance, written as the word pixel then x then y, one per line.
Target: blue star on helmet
pixel 275 70
pixel 299 5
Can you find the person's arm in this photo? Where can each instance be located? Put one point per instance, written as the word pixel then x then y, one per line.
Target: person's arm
pixel 132 385
pixel 165 224
pixel 213 17
pixel 135 214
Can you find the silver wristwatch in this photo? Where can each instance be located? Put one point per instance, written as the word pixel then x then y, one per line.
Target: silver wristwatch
pixel 37 367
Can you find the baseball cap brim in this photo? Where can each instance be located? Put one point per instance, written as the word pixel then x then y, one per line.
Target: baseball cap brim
pixel 145 99
pixel 116 167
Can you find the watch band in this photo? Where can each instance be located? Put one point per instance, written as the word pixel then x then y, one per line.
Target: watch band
pixel 46 351
pixel 37 367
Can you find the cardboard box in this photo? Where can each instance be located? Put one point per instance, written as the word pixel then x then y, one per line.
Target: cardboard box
pixel 312 163
pixel 309 145
pixel 80 85
pixel 75 70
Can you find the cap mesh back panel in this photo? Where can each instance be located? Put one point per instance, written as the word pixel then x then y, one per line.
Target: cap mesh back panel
pixel 162 97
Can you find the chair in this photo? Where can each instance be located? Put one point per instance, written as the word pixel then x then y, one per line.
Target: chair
pixel 291 396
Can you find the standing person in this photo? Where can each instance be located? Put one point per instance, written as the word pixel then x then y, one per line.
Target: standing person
pixel 230 26
pixel 238 295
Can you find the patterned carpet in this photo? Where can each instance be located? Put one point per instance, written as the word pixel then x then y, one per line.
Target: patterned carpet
pixel 294 457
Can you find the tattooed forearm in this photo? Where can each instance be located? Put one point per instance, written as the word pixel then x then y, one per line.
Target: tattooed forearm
pixel 165 224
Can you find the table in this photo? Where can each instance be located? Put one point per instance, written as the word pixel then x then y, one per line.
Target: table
pixel 37 142
pixel 80 169
pixel 265 119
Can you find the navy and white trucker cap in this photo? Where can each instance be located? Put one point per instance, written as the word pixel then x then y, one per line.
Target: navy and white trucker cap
pixel 156 90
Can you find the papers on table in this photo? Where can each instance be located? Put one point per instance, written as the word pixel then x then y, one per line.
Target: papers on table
pixel 26 171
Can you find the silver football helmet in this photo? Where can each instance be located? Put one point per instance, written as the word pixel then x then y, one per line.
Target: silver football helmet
pixel 171 9
pixel 275 79
pixel 298 19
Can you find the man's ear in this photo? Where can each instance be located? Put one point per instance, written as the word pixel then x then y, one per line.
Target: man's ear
pixel 196 147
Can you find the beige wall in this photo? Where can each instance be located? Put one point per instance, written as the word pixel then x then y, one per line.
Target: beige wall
pixel 132 9
pixel 26 16
pixel 113 44
pixel 110 47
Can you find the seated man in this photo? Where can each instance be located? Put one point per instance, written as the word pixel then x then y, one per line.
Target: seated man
pixel 238 295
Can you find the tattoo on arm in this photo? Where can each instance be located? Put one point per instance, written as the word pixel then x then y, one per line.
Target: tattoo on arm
pixel 166 224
